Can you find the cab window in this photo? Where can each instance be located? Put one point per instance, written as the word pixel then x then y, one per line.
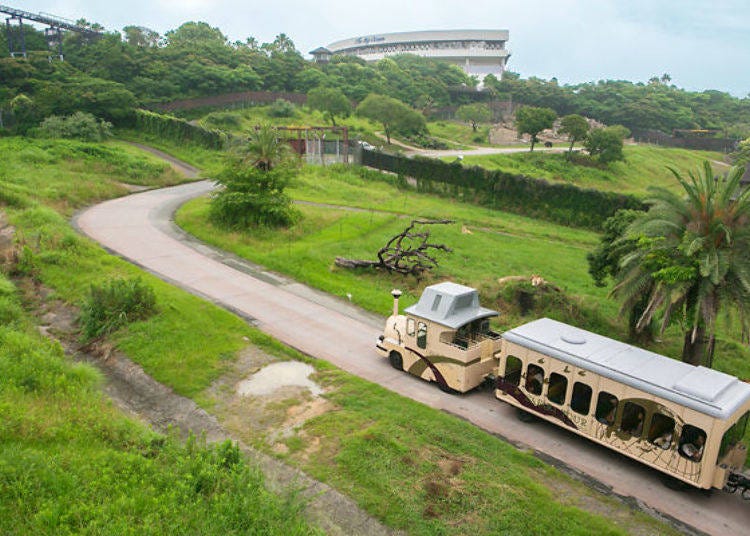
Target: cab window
pixel 410 326
pixel 422 335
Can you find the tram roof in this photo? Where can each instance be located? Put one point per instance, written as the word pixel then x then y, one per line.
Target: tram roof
pixel 702 389
pixel 449 304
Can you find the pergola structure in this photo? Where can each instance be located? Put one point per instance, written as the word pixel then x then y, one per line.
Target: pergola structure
pixel 310 142
pixel 53 33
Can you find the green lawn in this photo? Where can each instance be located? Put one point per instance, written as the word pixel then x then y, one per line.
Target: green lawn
pixel 644 166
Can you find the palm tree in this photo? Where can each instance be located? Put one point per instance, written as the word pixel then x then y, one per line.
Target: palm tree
pixel 692 258
pixel 265 150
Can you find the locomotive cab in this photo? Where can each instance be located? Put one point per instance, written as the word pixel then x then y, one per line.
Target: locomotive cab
pixel 445 338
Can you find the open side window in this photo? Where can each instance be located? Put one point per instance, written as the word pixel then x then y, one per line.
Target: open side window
pixel 606 408
pixel 661 431
pixel 692 441
pixel 534 379
pixel 513 367
pixel 580 400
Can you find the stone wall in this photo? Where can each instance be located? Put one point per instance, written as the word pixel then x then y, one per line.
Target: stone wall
pixel 7 241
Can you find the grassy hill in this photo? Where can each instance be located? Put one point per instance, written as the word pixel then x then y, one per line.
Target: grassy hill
pixel 644 166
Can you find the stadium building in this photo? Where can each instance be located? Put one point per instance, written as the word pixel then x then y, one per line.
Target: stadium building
pixel 477 52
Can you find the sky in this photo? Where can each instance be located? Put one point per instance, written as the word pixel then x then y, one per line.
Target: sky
pixel 700 44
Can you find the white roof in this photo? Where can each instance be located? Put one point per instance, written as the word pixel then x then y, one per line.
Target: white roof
pixel 705 390
pixel 449 304
pixel 419 37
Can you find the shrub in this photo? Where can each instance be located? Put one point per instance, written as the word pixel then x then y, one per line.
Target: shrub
pixel 282 108
pixel 112 305
pixel 252 197
pixel 606 143
pixel 80 126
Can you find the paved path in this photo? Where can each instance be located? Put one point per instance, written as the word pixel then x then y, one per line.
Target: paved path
pixel 139 228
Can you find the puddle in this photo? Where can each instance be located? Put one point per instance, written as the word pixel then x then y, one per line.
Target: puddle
pixel 278 375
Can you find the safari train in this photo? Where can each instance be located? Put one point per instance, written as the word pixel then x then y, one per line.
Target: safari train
pixel 685 421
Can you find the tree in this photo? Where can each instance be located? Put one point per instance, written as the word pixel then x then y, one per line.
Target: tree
pixel 474 113
pixel 253 185
pixel 692 258
pixel 532 120
pixel 605 262
pixel 606 144
pixel 575 127
pixel 330 101
pixel 265 150
pixel 394 115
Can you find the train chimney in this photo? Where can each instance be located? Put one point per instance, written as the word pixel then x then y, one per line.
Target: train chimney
pixel 396 293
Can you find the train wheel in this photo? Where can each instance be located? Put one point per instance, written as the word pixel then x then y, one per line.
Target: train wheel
pixel 396 360
pixel 525 416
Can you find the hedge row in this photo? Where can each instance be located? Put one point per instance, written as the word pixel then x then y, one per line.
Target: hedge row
pixel 537 198
pixel 178 129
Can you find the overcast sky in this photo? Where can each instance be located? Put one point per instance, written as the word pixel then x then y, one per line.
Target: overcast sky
pixel 701 44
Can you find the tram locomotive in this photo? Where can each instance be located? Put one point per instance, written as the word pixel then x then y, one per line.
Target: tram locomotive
pixel 685 421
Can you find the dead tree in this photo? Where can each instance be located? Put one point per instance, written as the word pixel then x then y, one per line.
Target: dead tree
pixel 406 253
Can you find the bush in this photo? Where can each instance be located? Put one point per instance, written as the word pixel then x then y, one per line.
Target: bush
pixel 282 108
pixel 115 304
pixel 79 126
pixel 252 197
pixel 179 130
pixel 606 143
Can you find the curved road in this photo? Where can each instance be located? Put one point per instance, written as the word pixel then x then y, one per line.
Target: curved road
pixel 139 228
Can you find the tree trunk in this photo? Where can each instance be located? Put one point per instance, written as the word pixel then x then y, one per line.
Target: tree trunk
pixel 694 351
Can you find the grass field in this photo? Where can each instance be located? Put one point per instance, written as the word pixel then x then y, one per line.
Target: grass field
pixel 70 462
pixel 415 468
pixel 644 166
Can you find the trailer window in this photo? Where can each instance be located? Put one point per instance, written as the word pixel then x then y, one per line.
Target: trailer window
pixel 422 335
pixel 513 368
pixel 557 389
pixel 534 379
pixel 633 416
pixel 606 407
pixel 410 326
pixel 661 431
pixel 692 441
pixel 734 435
pixel 580 401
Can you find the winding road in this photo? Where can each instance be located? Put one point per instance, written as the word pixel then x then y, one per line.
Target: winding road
pixel 139 227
